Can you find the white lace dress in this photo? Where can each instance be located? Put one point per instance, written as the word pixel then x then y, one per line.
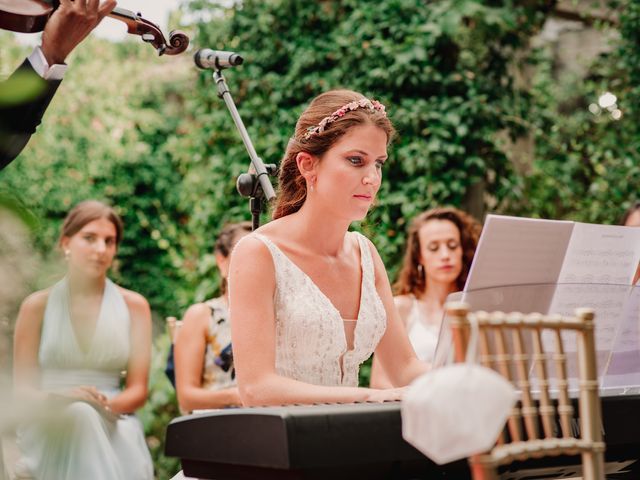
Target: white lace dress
pixel 311 342
pixel 311 345
pixel 83 445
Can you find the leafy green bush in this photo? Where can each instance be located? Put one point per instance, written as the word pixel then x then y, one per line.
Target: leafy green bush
pixel 440 67
pixel 587 165
pixel 102 138
pixel 151 136
pixel 154 139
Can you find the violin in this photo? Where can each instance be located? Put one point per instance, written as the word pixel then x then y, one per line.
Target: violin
pixel 30 16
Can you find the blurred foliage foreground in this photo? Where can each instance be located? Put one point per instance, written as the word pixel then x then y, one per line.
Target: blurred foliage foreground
pixel 151 136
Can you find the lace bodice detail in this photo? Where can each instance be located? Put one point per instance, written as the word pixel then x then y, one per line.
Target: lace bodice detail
pixel 310 336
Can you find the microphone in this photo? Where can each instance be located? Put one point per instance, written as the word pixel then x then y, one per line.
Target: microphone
pixel 206 58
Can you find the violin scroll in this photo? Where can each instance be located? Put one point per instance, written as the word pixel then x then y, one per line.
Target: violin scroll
pixel 178 42
pixel 151 33
pixel 29 16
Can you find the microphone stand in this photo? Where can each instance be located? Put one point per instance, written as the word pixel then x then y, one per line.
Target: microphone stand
pixel 256 185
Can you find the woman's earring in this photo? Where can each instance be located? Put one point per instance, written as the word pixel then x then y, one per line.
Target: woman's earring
pixel 421 270
pixel 312 183
pixel 66 254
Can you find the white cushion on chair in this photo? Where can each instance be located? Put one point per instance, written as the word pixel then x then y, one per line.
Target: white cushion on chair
pixel 456 411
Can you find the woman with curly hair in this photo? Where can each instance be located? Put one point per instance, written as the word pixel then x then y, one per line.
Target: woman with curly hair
pixel 440 246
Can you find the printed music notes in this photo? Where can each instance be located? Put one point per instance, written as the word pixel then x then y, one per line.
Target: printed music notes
pixel 548 266
pixel 520 251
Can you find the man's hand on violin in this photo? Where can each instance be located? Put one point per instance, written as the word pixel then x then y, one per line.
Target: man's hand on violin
pixel 70 24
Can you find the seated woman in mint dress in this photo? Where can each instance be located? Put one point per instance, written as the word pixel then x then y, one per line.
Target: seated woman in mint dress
pixel 72 341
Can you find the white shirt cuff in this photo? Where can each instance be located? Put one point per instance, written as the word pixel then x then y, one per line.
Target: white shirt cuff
pixel 42 67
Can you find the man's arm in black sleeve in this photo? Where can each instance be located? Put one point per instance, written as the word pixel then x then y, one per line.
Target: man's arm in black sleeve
pixel 19 122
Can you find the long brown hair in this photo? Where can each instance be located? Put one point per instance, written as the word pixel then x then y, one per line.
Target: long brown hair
pixel 88 211
pixel 292 188
pixel 411 279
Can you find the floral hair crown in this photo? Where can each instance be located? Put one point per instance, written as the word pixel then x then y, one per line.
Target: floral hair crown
pixel 373 105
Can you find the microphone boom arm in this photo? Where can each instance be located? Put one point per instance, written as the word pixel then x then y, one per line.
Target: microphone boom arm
pixel 263 187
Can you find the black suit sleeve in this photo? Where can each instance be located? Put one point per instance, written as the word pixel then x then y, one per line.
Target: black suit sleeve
pixel 19 122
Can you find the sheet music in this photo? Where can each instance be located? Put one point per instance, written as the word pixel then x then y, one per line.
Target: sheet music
pixel 605 254
pixel 608 301
pixel 522 251
pixel 519 251
pixel 583 265
pixel 623 368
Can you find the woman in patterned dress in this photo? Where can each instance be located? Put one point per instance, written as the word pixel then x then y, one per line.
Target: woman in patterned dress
pixel 205 377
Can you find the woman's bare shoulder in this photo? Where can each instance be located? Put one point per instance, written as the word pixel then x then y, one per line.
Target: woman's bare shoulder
pixel 133 297
pixel 405 300
pixel 278 231
pixel 36 302
pixel 250 247
pixel 251 265
pixel 380 270
pixel 137 304
pixel 32 309
pixel 195 323
pixel 198 313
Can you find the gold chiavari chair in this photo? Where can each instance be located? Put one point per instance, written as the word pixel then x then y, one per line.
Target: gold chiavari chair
pixel 525 349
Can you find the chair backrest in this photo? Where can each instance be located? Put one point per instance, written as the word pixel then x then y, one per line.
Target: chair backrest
pixel 532 351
